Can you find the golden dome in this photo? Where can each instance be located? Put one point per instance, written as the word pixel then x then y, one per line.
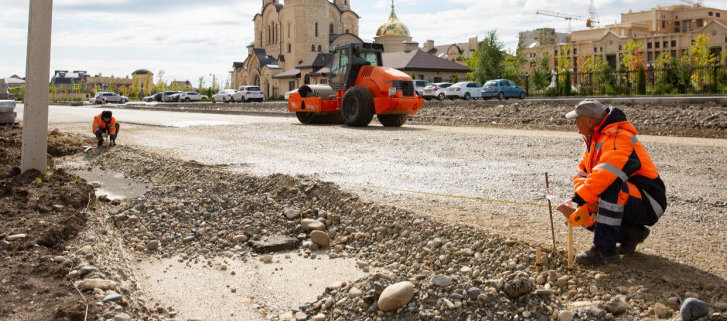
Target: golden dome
pixel 393 27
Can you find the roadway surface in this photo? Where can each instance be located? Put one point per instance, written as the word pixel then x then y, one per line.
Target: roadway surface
pixel 436 170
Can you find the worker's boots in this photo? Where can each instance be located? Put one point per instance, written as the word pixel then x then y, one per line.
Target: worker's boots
pixel 112 143
pixel 632 236
pixel 599 255
pixel 100 142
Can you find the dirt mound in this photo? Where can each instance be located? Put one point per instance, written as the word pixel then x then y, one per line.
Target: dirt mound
pixel 40 214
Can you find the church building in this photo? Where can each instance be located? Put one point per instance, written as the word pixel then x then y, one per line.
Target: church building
pixel 288 35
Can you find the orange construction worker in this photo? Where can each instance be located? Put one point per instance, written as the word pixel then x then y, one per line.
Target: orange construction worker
pixel 616 181
pixel 105 123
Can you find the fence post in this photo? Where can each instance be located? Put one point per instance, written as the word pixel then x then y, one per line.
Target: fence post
pixel 527 85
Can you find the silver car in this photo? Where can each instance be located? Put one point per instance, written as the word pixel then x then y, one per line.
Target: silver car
pixel 436 90
pixel 108 97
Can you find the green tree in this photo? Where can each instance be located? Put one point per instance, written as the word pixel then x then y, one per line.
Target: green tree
pixel 487 62
pixel 641 81
pixel 455 79
pixel 564 65
pixel 541 73
pixel 53 90
pixel 215 86
pixel 602 74
pixel 514 61
pixel 83 86
pixel 201 83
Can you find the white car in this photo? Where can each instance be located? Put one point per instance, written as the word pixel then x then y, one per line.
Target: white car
pixel 464 90
pixel 419 86
pixel 436 90
pixel 188 96
pixel 248 93
pixel 224 95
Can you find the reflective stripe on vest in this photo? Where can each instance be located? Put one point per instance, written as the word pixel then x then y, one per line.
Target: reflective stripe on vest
pixel 613 169
pixel 608 220
pixel 611 207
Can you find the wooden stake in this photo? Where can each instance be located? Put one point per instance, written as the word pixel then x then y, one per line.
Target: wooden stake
pixel 570 246
pixel 550 210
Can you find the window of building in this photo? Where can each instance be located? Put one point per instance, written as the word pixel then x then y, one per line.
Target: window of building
pixel 656 44
pixel 673 43
pixel 666 44
pixel 312 47
pixel 663 24
pixel 700 23
pixel 575 51
pixel 289 48
pixel 711 13
pixel 319 48
pixel 601 49
pixel 648 45
pixel 316 29
pixel 718 14
pixel 330 28
pixel 555 52
pixel 649 57
pixel 620 47
pixel 288 29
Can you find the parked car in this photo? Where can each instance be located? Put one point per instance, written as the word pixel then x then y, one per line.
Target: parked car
pixel 419 86
pixel 103 97
pixel 464 90
pixel 436 90
pixel 148 98
pixel 168 96
pixel 287 94
pixel 502 89
pixel 248 93
pixel 188 96
pixel 224 95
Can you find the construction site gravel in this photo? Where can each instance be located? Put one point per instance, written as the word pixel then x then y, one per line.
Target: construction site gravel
pixel 467 254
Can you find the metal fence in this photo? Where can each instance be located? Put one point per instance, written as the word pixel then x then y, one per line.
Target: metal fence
pixel 670 81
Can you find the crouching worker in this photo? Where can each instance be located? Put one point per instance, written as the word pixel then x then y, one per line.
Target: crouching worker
pixel 617 185
pixel 105 123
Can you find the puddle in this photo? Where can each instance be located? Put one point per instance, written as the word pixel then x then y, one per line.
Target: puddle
pixel 114 185
pixel 205 292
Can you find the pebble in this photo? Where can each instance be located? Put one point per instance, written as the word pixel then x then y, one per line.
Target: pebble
pixel 292 213
pixel 693 309
pixel 266 258
pixel 441 280
pixel 90 284
pixel 565 316
pixel 320 238
pixel 319 317
pixel 312 225
pixel 300 316
pixel 661 311
pixel 239 238
pixel 15 237
pixel 112 296
pixel 122 317
pixel 473 293
pixel 354 293
pixel 152 245
pixel 396 296
pixel 617 305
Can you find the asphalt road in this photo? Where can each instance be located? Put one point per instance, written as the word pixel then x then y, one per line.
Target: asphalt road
pixel 439 170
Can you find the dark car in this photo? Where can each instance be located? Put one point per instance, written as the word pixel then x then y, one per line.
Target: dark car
pixel 502 89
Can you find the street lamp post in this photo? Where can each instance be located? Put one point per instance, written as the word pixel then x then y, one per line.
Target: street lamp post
pixel 35 115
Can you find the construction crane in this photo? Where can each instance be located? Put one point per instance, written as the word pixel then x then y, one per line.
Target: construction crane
pixel 696 3
pixel 591 20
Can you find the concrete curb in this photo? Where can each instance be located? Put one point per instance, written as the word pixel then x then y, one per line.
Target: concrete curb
pixel 212 111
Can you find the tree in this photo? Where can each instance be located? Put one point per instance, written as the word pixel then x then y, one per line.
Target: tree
pixel 541 73
pixel 455 79
pixel 514 61
pixel 200 83
pixel 487 62
pixel 564 65
pixel 161 84
pixel 702 58
pixel 641 82
pixel 602 74
pixel 633 55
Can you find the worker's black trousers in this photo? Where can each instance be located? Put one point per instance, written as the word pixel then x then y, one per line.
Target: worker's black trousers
pixel 619 205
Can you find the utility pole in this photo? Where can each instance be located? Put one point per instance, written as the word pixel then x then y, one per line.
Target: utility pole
pixel 37 73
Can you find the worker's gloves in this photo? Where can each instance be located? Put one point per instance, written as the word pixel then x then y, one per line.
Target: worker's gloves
pixel 98 132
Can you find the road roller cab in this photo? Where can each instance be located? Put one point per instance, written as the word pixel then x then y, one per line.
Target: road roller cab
pixel 359 87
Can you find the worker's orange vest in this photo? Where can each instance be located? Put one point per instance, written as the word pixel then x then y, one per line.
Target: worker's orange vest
pixel 98 123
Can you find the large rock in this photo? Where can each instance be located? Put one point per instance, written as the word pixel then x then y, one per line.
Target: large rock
pixel 518 287
pixel 274 243
pixel 693 309
pixel 396 296
pixel 617 305
pixel 312 225
pixel 320 238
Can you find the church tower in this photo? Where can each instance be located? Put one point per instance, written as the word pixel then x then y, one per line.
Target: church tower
pixel 393 34
pixel 343 5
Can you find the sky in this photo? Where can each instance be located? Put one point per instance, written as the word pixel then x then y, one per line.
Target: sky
pixel 189 39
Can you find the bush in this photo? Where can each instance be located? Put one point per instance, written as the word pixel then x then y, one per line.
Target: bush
pixel 552 92
pixel 585 91
pixel 566 88
pixel 641 82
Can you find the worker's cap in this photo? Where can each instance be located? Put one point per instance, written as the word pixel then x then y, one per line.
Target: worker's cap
pixel 106 114
pixel 589 108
